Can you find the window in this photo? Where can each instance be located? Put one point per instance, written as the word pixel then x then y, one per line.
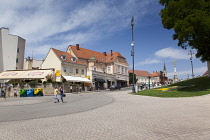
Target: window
pixel 73 59
pixel 64 69
pixel 104 70
pixel 71 69
pixel 122 70
pixel 18 50
pixel 118 70
pixel 83 71
pixel 63 57
pixel 109 69
pixel 94 68
pixel 17 60
pixel 77 71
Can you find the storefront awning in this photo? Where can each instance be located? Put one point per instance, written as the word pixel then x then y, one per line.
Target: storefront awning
pixel 24 74
pixel 76 79
pixel 100 80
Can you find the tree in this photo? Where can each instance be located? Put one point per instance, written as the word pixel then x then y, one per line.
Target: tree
pixel 190 20
pixel 131 78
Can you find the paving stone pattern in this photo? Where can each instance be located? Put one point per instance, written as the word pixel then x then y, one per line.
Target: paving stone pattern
pixel 128 117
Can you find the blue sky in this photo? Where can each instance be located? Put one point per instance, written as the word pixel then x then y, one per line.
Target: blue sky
pixel 100 25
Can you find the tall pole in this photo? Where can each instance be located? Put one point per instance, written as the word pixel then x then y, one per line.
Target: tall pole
pixel 175 76
pixel 132 53
pixel 191 53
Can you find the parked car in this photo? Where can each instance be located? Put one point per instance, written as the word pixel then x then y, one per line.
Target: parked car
pixel 116 86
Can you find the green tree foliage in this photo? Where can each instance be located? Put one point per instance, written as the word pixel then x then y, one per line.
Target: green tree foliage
pixel 190 20
pixel 131 78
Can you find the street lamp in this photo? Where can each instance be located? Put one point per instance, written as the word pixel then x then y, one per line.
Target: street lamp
pixel 149 81
pixel 191 53
pixel 132 53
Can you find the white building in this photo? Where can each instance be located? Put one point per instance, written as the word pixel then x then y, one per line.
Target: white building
pixel 31 63
pixel 12 49
pixel 142 76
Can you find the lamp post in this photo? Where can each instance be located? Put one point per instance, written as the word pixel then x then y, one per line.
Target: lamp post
pixel 191 53
pixel 132 53
pixel 149 81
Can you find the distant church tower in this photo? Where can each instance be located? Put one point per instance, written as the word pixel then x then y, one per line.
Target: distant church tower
pixel 175 76
pixel 164 70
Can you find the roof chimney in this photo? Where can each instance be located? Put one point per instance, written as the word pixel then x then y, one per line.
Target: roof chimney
pixel 77 46
pixel 111 52
pixel 104 53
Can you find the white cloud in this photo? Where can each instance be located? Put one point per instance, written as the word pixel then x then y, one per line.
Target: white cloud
pixel 173 53
pixel 36 20
pixel 148 62
pixel 42 23
pixel 197 71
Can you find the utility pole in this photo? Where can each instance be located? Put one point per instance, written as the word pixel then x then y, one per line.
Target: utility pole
pixel 132 53
pixel 191 53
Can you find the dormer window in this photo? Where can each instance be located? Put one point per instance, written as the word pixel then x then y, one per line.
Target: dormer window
pixel 73 59
pixel 63 57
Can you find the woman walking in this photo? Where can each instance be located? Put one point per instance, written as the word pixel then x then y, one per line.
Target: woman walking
pixel 61 94
pixel 55 95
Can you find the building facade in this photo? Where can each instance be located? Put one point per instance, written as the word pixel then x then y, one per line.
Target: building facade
pixel 142 76
pixel 64 64
pixel 12 49
pixel 103 69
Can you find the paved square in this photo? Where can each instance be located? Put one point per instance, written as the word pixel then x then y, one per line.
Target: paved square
pixel 128 117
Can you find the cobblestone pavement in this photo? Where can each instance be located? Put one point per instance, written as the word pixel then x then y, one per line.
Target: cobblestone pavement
pixel 128 117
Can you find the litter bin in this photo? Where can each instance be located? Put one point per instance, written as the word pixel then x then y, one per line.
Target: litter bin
pixel 23 92
pixel 38 92
pixel 30 92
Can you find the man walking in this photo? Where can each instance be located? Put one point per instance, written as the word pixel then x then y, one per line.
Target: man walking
pixel 15 93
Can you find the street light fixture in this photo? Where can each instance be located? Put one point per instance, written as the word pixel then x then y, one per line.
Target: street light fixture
pixel 191 53
pixel 132 53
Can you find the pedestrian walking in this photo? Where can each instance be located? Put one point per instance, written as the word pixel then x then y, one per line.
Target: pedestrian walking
pixel 61 94
pixel 2 93
pixel 55 95
pixel 71 89
pixel 80 89
pixel 5 94
pixel 15 93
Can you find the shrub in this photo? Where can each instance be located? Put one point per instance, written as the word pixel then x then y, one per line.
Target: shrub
pixel 32 83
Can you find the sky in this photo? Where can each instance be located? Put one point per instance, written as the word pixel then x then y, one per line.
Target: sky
pixel 99 25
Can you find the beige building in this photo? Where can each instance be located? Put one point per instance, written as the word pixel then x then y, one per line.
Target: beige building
pixel 104 69
pixel 65 66
pixel 12 49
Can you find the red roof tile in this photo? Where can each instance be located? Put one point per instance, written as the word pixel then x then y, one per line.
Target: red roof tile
pixel 87 54
pixel 206 73
pixel 155 74
pixel 140 73
pixel 68 57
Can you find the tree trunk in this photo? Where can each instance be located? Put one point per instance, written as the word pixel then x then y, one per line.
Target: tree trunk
pixel 208 65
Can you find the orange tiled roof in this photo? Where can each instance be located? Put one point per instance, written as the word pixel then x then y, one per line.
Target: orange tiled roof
pixel 155 74
pixel 140 73
pixel 87 54
pixel 68 57
pixel 206 73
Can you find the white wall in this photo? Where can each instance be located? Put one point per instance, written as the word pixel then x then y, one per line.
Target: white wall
pixel 52 61
pixel 8 51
